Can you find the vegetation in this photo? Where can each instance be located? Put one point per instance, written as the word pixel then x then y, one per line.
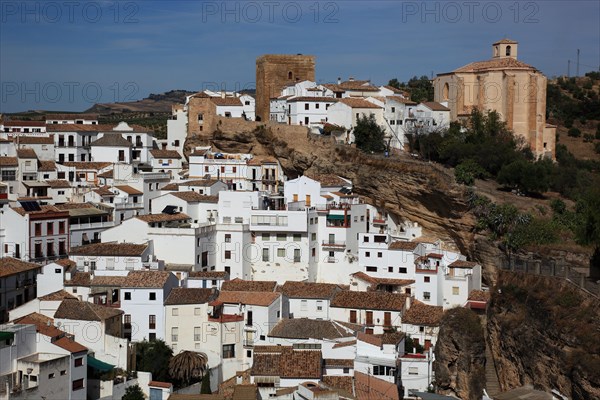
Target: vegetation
pixel 154 356
pixel 369 136
pixel 188 367
pixel 153 121
pixel 420 89
pixel 411 346
pixel 133 393
pixel 205 387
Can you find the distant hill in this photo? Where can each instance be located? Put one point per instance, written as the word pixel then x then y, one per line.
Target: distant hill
pixel 153 103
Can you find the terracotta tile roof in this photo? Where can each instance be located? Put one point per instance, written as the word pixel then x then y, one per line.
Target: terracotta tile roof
pixel 22 123
pixel 129 190
pixel 505 41
pixel 74 206
pixel 79 127
pixel 479 295
pixel 104 191
pixel 65 262
pixel 263 299
pixel 147 279
pixel 286 362
pixel 364 86
pixel 44 165
pixel 85 311
pixel 369 300
pixel 463 264
pixel 358 103
pixel 68 117
pixel 190 296
pixel 402 100
pixel 199 182
pixel 43 210
pixel 58 295
pixel 338 362
pixel 208 275
pixel 308 290
pixel 150 218
pixel 319 99
pixel 87 165
pixel 435 106
pixel 112 140
pixel 435 255
pixel 59 183
pixel 243 392
pixel 397 91
pixel 165 385
pixel 70 345
pixel 391 338
pixel 10 266
pixel 170 186
pixel 352 326
pixel 88 280
pixel 334 87
pixel 109 249
pixel 328 179
pixel 159 153
pixel 34 139
pixel 339 382
pixel 369 338
pixel 9 161
pixel 43 324
pixel 226 101
pixel 261 160
pixel 195 197
pixel 344 344
pixel 241 285
pixel 495 64
pixel 383 281
pixel 403 245
pixel 367 387
pixel 26 153
pixel 304 328
pixel 106 174
pixel 422 314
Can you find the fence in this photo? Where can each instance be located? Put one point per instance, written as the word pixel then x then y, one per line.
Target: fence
pixel 552 268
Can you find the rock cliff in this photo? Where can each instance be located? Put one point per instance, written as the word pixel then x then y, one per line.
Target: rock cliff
pixel 460 355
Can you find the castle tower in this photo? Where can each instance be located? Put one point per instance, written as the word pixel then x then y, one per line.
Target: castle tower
pixel 274 72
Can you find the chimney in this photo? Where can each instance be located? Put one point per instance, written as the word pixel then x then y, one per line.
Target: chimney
pixel 223 94
pixel 407 305
pixel 351 79
pixel 339 80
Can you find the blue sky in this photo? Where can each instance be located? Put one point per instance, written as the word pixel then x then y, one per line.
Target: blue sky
pixel 67 55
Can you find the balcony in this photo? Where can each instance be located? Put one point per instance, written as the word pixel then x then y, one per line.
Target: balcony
pixel 333 245
pixel 248 342
pixel 379 221
pixel 426 268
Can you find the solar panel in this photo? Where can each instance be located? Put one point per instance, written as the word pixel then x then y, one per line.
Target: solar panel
pixel 170 210
pixel 30 206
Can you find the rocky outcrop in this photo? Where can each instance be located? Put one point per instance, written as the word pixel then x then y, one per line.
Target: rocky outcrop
pixel 545 332
pixel 460 355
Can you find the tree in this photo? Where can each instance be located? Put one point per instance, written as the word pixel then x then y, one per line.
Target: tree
pixel 188 366
pixel 421 89
pixel 574 132
pixel 394 83
pixel 368 135
pixel 587 230
pixel 133 393
pixel 205 388
pixel 154 356
pixel 526 176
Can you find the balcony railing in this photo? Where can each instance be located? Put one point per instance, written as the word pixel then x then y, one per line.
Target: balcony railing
pixel 379 221
pixel 332 244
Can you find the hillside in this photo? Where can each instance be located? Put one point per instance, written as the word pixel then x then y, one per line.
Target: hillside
pixel 153 103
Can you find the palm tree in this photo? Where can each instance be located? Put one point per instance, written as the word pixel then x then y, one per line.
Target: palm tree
pixel 188 365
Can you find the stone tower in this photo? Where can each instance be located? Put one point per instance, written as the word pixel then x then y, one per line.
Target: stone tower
pixel 274 72
pixel 505 48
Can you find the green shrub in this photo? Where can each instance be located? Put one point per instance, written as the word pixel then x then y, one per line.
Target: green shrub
pixel 574 132
pixel 467 171
pixel 588 138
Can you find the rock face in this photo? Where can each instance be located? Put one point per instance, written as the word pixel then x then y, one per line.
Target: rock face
pixel 545 332
pixel 460 355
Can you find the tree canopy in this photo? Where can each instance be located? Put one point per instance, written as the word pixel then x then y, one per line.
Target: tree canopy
pixel 368 135
pixel 154 356
pixel 133 393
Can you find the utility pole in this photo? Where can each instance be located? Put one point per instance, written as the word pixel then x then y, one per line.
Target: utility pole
pixel 577 62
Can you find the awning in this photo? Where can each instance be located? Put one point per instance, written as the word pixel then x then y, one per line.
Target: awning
pixel 336 217
pixel 99 365
pixel 7 335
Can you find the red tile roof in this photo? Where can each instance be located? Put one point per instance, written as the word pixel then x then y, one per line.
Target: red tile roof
pixel 249 286
pixel 110 249
pixel 357 103
pixel 369 300
pixel 403 245
pixel 147 279
pixel 151 218
pixel 70 345
pixel 263 299
pixel 165 385
pixel 423 314
pixel 26 153
pixel 463 264
pixel 159 153
pixel 9 162
pixel 309 290
pixel 11 266
pixel 129 190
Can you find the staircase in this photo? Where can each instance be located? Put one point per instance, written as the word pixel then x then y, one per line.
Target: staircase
pixel 492 386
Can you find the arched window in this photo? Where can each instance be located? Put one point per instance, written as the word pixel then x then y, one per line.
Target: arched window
pixel 290 75
pixel 446 91
pixel 508 50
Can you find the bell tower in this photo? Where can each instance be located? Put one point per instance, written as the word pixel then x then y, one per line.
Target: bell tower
pixel 505 48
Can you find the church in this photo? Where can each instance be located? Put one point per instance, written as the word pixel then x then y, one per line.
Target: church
pixel 512 88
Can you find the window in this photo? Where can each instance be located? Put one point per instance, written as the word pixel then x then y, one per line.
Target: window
pixel 197 334
pixel 228 350
pixel 127 296
pixel 304 305
pixel 313 236
pixel 127 321
pixel 228 254
pixel 371 269
pixel 421 329
pixel 175 312
pixel 455 290
pixel 280 252
pixel 174 334
pixel 319 305
pixel 265 254
pixel 152 296
pixel 346 370
pixel 352 316
pixel 200 117
pixel 79 362
pixel 297 237
pixel 367 254
pixel 281 237
pixel 426 279
pixel 38 229
pixel 50 228
pixel 390 269
pixel 306 106
pixel 402 270
pixel 379 254
pixel 51 376
pixel 152 322
pixel 197 311
pixel 266 236
pixel 63 372
pixel 152 336
pixel 393 109
pixel 413 370
pixel 426 296
pixel 78 384
pixel 248 353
